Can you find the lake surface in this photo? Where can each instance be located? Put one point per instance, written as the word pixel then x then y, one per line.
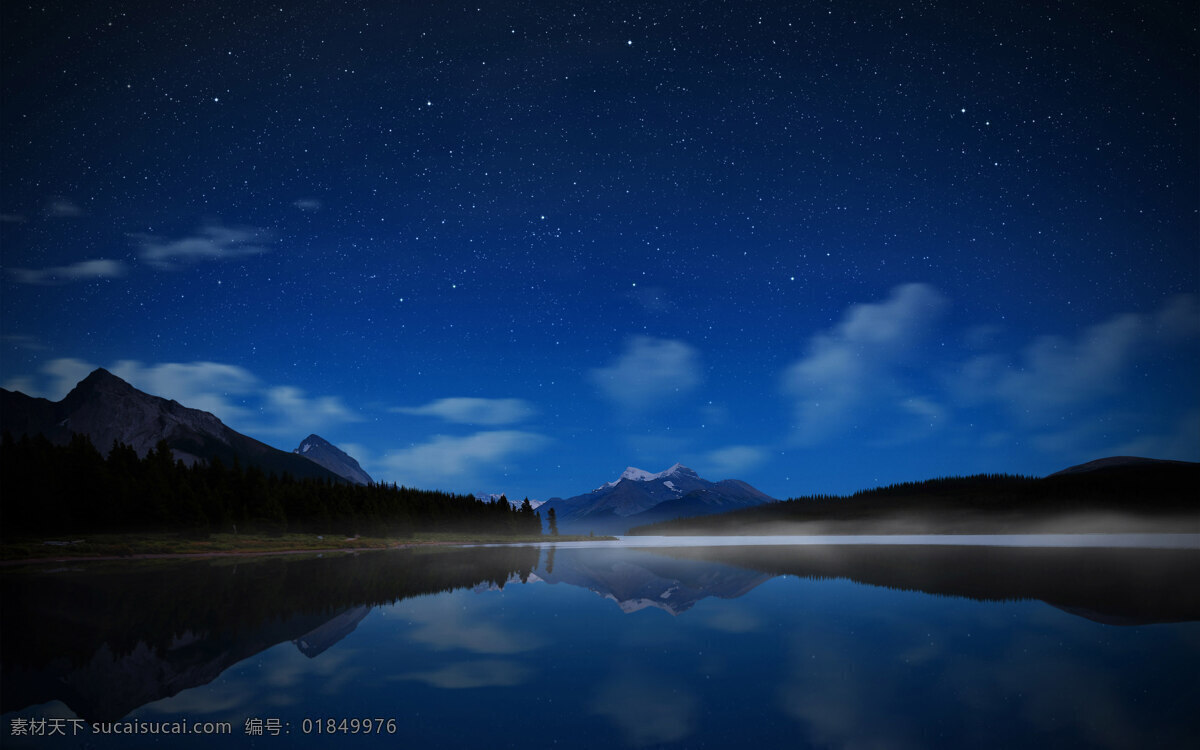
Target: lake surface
pixel 611 646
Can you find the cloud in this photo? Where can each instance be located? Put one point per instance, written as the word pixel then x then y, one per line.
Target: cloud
pixel 63 208
pixel 1055 373
pixel 233 394
pixel 208 386
pixel 649 709
pixel 446 625
pixel 732 460
pixel 445 460
pixel 477 674
pixel 859 360
pixel 649 373
pixel 295 413
pixel 212 242
pixel 12 219
pixel 58 377
pixel 101 268
pixel 486 411
pixel 308 204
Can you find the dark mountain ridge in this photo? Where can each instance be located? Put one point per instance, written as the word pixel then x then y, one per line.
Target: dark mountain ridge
pixel 107 409
pixel 1127 495
pixel 319 450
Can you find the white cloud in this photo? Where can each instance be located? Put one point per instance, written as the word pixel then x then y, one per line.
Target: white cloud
pixel 233 394
pixel 728 462
pixel 649 709
pixel 445 624
pixel 59 376
pixel 101 268
pixel 209 386
pixel 446 460
pixel 63 208
pixel 308 204
pixel 857 361
pixel 212 242
pixel 649 373
pixel 291 412
pixel 1055 373
pixel 486 411
pixel 475 674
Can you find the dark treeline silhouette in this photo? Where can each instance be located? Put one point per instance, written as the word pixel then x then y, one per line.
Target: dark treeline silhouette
pixel 1157 491
pixel 73 488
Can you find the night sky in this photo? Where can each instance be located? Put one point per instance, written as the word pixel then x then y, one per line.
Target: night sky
pixel 517 246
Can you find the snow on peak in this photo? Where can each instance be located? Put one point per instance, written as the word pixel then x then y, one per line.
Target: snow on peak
pixel 635 474
pixel 306 448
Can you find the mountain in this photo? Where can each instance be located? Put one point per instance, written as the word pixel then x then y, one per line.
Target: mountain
pixel 1112 495
pixel 107 409
pixel 1113 462
pixel 640 497
pixel 639 579
pixel 319 450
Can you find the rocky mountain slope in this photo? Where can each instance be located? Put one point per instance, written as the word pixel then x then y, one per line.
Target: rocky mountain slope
pixel 640 497
pixel 107 409
pixel 318 449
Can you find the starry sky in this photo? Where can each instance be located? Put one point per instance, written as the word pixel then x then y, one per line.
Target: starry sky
pixel 517 246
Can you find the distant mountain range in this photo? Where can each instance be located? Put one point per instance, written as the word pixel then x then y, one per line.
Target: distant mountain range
pixel 106 409
pixel 1119 494
pixel 640 497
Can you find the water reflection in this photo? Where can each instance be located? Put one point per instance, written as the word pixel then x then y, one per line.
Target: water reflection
pixel 1116 586
pixel 107 638
pixel 725 647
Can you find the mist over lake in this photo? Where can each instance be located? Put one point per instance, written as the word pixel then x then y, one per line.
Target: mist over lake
pixel 820 645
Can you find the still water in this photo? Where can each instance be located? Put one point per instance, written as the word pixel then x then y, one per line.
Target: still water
pixel 847 645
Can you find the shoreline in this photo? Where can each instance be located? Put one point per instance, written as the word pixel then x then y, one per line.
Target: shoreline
pixel 251 551
pixel 222 553
pixel 1162 540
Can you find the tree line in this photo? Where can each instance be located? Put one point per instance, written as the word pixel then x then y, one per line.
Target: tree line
pixel 1146 491
pixel 74 488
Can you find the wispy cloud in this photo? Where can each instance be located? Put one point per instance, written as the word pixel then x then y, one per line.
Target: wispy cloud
pixel 212 242
pixel 12 219
pixel 857 362
pixel 233 394
pixel 484 411
pixel 307 204
pixel 210 386
pixel 54 379
pixel 649 373
pixel 1054 373
pixel 732 460
pixel 444 624
pixel 101 268
pixel 63 208
pixel 649 709
pixel 473 674
pixel 449 461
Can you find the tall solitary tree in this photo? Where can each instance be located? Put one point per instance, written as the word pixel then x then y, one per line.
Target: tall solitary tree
pixel 552 517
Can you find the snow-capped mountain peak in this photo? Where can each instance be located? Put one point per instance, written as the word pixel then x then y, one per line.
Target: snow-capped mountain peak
pixel 635 474
pixel 639 496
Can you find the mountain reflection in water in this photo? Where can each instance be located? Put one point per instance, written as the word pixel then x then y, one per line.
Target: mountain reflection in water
pixel 108 638
pixel 105 638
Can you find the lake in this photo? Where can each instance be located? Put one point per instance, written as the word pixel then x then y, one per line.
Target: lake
pixel 895 643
